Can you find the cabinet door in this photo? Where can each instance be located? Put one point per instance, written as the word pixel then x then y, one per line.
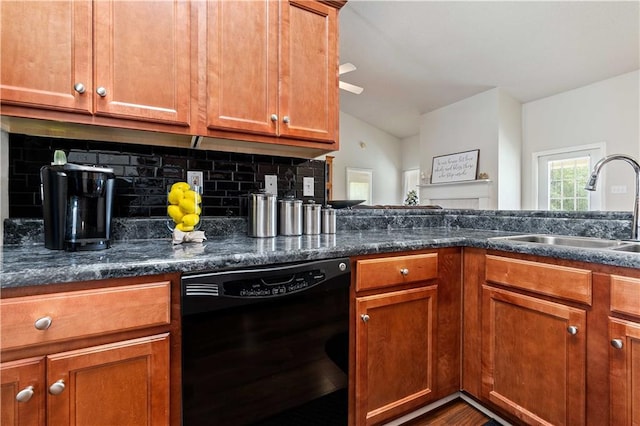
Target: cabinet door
pixel 309 71
pixel 142 60
pixel 395 347
pixel 534 358
pixel 242 65
pixel 46 50
pixel 23 396
pixel 625 372
pixel 124 383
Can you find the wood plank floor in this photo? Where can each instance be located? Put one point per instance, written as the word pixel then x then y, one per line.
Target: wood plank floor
pixel 456 412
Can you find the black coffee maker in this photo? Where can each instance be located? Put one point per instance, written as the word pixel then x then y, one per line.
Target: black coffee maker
pixel 77 202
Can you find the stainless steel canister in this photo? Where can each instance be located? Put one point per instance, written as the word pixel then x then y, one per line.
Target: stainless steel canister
pixel 328 220
pixel 262 215
pixel 312 222
pixel 290 216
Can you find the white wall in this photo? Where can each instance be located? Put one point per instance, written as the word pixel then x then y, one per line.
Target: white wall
pixel 489 121
pixel 410 150
pixel 606 111
pixel 382 154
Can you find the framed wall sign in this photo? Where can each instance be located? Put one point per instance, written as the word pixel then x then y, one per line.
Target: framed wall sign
pixel 461 166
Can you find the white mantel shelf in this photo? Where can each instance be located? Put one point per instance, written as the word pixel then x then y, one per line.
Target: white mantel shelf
pixel 474 194
pixel 463 182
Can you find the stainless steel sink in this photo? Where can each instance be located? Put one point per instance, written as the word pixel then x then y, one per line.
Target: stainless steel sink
pixel 568 241
pixel 630 247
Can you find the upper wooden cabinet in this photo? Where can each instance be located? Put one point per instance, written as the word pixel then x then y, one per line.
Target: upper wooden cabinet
pixel 123 59
pixel 273 74
pixel 46 51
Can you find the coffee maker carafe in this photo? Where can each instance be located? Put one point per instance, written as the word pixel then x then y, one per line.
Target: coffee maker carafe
pixel 77 203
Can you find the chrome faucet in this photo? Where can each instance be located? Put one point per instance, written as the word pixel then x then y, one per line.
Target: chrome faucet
pixel 591 186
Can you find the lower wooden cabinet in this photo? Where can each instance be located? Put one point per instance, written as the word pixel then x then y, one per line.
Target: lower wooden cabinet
pixel 123 383
pixel 406 333
pixel 625 372
pixel 394 352
pixel 534 357
pixel 100 353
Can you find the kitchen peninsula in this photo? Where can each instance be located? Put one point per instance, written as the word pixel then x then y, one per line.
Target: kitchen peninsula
pixel 474 284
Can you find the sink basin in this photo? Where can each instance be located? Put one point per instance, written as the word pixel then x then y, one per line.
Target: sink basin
pixel 563 240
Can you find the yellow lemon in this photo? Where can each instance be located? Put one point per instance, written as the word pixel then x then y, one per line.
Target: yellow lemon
pixel 190 219
pixel 198 210
pixel 182 186
pixel 175 196
pixel 175 213
pixel 187 205
pixel 193 195
pixel 184 228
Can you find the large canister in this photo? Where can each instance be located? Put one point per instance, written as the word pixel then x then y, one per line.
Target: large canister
pixel 262 214
pixel 290 216
pixel 312 219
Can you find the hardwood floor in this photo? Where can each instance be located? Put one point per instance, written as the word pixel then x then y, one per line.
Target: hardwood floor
pixel 456 412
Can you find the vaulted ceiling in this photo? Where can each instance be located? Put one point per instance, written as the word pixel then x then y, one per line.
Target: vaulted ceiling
pixel 413 57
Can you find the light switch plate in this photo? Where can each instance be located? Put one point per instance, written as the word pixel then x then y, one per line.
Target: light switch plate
pixel 271 184
pixel 307 187
pixel 195 178
pixel 618 189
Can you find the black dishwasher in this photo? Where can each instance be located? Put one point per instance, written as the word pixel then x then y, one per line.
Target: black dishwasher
pixel 266 345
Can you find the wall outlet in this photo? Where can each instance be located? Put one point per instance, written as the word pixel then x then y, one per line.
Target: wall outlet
pixel 271 184
pixel 618 189
pixel 307 187
pixel 195 178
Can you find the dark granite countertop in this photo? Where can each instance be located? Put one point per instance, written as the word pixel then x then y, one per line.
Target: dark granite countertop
pixel 32 264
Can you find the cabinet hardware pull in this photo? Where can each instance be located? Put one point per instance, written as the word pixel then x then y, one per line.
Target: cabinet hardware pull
pixel 286 119
pixel 101 91
pixel 365 317
pixel 274 117
pixel 617 343
pixel 43 323
pixel 25 394
pixel 79 87
pixel 404 271
pixel 573 330
pixel 57 387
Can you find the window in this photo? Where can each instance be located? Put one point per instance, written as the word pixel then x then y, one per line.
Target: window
pixel 410 181
pixel 359 184
pixel 562 176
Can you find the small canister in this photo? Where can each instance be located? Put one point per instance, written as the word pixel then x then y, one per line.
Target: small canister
pixel 262 215
pixel 290 216
pixel 328 220
pixel 312 218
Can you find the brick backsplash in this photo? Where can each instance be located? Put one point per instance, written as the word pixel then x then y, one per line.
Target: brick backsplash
pixel 143 173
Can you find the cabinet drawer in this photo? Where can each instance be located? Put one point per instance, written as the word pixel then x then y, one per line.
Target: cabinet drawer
pixel 625 295
pixel 389 271
pixel 552 280
pixel 77 314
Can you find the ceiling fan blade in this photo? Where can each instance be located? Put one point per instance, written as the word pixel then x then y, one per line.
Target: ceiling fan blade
pixel 345 68
pixel 351 88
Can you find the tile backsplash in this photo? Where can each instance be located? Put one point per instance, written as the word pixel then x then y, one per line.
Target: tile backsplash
pixel 143 173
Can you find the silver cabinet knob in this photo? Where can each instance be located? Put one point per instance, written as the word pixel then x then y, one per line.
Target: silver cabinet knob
pixel 57 387
pixel 25 394
pixel 617 343
pixel 404 271
pixel 286 119
pixel 274 117
pixel 573 330
pixel 365 317
pixel 101 91
pixel 79 87
pixel 43 323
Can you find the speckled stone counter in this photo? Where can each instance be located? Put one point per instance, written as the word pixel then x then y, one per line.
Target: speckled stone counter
pixel 359 232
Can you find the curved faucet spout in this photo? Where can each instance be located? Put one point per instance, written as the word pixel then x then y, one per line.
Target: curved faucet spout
pixel 593 179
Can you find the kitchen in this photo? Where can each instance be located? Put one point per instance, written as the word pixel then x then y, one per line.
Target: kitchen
pixel 212 257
